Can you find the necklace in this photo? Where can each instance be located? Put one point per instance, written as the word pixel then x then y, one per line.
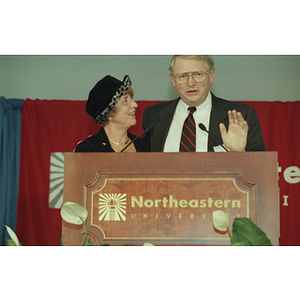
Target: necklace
pixel 120 144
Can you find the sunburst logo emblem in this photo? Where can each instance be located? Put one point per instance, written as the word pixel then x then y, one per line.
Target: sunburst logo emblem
pixel 112 207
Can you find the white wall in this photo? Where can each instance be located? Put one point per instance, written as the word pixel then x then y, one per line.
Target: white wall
pixel 70 77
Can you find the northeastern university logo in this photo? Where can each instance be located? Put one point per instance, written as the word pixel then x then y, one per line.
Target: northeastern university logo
pixel 112 207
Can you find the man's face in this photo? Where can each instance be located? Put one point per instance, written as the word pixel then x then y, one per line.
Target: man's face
pixel 192 93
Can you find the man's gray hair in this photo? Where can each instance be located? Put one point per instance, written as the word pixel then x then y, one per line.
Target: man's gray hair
pixel 209 62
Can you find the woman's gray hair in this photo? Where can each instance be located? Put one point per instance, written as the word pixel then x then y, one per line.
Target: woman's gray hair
pixel 209 62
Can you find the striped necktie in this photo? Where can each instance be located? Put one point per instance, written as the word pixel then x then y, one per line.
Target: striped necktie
pixel 188 137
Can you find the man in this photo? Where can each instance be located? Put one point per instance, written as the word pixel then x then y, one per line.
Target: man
pixel 230 126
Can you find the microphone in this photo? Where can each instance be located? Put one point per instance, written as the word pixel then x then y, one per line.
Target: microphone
pixel 202 127
pixel 147 129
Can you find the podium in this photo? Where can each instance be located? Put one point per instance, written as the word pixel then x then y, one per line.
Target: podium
pixel 168 198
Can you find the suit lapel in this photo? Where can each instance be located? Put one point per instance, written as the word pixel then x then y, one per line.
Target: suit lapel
pixel 218 115
pixel 160 131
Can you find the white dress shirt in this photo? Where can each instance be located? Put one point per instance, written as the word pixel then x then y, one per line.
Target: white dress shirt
pixel 201 115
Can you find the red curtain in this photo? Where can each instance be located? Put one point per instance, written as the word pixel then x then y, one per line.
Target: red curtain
pixel 280 125
pixel 47 126
pixel 58 125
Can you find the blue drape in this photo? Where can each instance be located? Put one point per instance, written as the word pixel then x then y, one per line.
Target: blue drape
pixel 10 140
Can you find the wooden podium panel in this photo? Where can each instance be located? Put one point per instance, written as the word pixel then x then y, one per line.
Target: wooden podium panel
pixel 168 198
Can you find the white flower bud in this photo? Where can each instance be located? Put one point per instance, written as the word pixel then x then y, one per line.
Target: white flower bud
pixel 220 220
pixel 73 213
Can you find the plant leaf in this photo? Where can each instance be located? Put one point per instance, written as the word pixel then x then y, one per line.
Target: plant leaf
pixel 246 233
pixel 148 244
pixel 10 242
pixel 73 213
pixel 220 220
pixel 13 236
pixel 88 243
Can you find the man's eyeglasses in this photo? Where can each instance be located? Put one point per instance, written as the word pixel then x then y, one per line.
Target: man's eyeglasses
pixel 182 78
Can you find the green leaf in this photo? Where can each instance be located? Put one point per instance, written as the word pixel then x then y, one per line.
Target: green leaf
pixel 246 233
pixel 88 243
pixel 10 242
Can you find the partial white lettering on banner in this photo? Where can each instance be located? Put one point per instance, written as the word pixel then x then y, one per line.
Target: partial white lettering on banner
pixel 291 174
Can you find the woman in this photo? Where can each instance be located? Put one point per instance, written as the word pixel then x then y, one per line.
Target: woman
pixel 110 103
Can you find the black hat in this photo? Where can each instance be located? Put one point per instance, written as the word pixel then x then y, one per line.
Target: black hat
pixel 104 95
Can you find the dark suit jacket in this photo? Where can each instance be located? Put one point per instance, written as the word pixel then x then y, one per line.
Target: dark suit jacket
pixel 100 143
pixel 162 115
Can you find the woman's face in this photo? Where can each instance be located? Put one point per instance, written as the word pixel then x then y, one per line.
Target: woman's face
pixel 123 114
